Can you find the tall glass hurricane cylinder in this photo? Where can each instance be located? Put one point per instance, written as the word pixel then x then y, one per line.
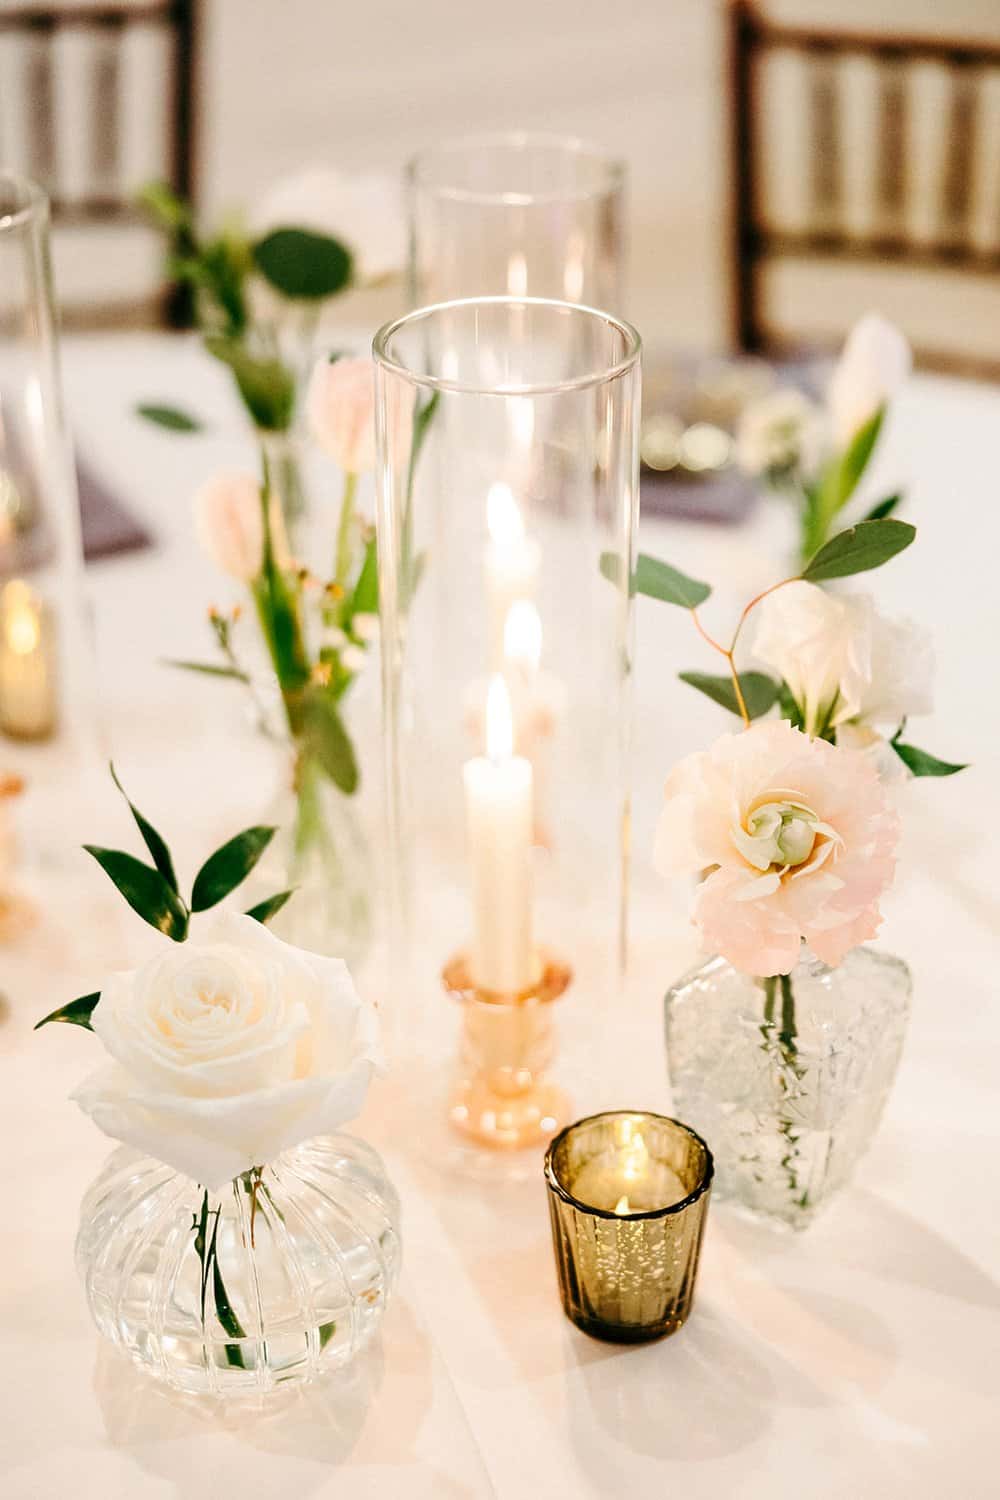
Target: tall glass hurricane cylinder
pixel 507 510
pixel 45 670
pixel 516 215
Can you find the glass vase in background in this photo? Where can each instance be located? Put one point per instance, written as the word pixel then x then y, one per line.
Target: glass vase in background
pixel 507 508
pixel 279 1277
pixel 516 215
pixel 46 669
pixel 787 1077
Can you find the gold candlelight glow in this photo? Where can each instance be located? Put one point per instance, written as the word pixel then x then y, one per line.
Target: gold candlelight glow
pixel 28 700
pixel 628 1195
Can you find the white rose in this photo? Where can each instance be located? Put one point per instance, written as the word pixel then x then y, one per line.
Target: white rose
pixel 229 525
pixel 875 361
pixel 783 430
pixel 843 661
pixel 365 626
pixel 365 213
pixel 229 1051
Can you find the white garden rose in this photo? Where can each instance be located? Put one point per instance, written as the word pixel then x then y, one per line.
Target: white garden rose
pixel 228 1051
pixel 873 364
pixel 363 212
pixel 844 663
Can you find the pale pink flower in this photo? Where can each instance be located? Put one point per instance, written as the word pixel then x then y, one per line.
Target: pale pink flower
pixel 341 411
pixel 875 361
pixel 229 524
pixel 798 836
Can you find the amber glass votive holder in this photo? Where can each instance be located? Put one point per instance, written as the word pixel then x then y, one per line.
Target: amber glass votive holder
pixel 628 1198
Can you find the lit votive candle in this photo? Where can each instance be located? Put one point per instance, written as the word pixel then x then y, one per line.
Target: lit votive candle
pixel 628 1197
pixel 512 564
pixel 28 691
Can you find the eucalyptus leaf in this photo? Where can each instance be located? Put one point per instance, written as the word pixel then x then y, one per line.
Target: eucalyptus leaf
pixel 865 546
pixel 145 890
pixel 657 580
pixel 760 692
pixel 265 910
pixel 208 669
pixel 170 417
pixel 921 763
pixel 152 840
pixel 266 385
pixel 229 866
pixel 884 507
pixel 844 472
pixel 329 742
pixel 76 1013
pixel 302 264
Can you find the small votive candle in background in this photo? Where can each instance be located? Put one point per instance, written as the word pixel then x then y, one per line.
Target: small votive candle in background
pixel 28 689
pixel 628 1197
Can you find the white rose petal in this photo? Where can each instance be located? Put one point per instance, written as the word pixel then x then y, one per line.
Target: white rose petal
pixel 228 1052
pixel 365 627
pixel 875 361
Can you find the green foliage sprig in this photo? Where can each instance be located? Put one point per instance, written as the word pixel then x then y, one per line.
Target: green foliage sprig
pixel 750 695
pixel 153 892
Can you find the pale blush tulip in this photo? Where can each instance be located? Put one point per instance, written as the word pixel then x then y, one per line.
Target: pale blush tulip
pixel 842 660
pixel 228 1051
pixel 799 837
pixel 340 407
pixel 229 524
pixel 875 361
pixel 365 213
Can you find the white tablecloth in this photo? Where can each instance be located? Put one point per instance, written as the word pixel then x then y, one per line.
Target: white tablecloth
pixel 858 1360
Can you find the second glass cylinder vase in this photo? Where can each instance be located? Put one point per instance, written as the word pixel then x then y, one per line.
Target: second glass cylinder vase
pixel 507 507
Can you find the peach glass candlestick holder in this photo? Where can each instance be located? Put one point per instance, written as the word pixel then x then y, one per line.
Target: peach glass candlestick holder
pixel 503 1097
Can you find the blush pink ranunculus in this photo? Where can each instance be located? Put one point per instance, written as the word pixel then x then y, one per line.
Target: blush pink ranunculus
pixel 341 411
pixel 799 838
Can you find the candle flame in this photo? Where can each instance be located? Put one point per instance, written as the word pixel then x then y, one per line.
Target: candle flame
pixel 522 634
pixel 499 720
pixel 623 1206
pixel 21 624
pixel 503 516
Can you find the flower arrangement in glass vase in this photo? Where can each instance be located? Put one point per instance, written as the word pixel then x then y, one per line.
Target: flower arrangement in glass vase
pixel 783 1046
pixel 816 454
pixel 317 631
pixel 231 1242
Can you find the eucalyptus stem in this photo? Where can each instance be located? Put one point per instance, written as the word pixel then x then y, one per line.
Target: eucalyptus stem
pixel 343 561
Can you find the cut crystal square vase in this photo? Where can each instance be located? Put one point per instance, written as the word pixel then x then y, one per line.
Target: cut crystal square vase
pixel 787 1078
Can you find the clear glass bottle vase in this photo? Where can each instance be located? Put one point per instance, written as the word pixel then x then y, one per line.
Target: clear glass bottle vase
pixel 787 1077
pixel 281 1276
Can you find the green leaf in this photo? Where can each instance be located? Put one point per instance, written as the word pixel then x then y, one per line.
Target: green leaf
pixel 265 910
pixel 145 890
pixel 229 866
pixel 170 417
pixel 302 264
pixel 923 764
pixel 328 740
pixel 760 692
pixel 326 1332
pixel 884 508
pixel 865 546
pixel 152 840
pixel 208 669
pixel 365 598
pixel 76 1013
pixel 266 385
pixel 790 710
pixel 169 212
pixel 657 580
pixel 845 471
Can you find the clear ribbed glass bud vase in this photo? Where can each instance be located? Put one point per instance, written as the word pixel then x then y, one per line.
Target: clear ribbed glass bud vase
pixel 281 1276
pixel 787 1078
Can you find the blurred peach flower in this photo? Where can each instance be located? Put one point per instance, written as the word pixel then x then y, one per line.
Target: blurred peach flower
pixel 229 525
pixel 798 836
pixel 341 410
